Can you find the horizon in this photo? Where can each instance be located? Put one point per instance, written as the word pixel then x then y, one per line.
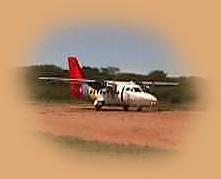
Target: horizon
pixel 129 72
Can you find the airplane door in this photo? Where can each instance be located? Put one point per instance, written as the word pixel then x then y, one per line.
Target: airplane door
pixel 125 95
pixel 110 96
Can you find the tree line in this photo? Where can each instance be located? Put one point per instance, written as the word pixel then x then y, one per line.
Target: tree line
pixel 185 92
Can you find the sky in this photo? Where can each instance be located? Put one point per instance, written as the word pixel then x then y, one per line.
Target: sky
pixel 102 45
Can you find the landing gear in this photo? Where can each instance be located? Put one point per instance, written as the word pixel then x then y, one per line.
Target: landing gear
pixel 139 108
pixel 97 108
pixel 153 106
pixel 125 108
pixel 98 105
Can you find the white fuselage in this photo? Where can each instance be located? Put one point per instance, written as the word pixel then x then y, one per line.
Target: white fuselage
pixel 126 94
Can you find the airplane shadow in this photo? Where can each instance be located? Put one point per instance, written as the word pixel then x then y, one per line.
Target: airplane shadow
pixel 114 109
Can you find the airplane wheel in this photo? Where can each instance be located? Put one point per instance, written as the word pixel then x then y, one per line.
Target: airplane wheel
pixel 126 108
pixel 98 106
pixel 154 106
pixel 139 108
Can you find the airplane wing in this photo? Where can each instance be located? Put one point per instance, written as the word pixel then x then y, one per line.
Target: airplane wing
pixel 72 81
pixel 67 80
pixel 159 83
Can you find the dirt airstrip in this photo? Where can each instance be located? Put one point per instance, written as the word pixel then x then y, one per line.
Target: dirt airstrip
pixel 164 130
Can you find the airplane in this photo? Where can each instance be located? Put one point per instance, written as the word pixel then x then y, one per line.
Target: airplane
pixel 107 92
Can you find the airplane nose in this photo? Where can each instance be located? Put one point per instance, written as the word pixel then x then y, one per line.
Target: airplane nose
pixel 146 99
pixel 151 99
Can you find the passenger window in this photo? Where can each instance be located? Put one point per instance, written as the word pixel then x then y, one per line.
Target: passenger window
pixel 137 89
pixel 127 89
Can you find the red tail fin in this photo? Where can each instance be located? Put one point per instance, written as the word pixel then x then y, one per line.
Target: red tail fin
pixel 76 72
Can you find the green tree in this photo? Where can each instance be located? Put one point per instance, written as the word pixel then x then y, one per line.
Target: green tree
pixel 111 70
pixel 157 75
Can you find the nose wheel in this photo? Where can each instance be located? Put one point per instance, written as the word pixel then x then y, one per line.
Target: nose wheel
pixel 153 106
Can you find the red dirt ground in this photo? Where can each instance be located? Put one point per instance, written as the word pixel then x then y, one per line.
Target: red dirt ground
pixel 112 125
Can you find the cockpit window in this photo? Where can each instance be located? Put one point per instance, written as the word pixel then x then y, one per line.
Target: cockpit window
pixel 137 89
pixel 127 89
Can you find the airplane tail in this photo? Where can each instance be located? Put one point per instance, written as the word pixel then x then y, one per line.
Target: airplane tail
pixel 76 72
